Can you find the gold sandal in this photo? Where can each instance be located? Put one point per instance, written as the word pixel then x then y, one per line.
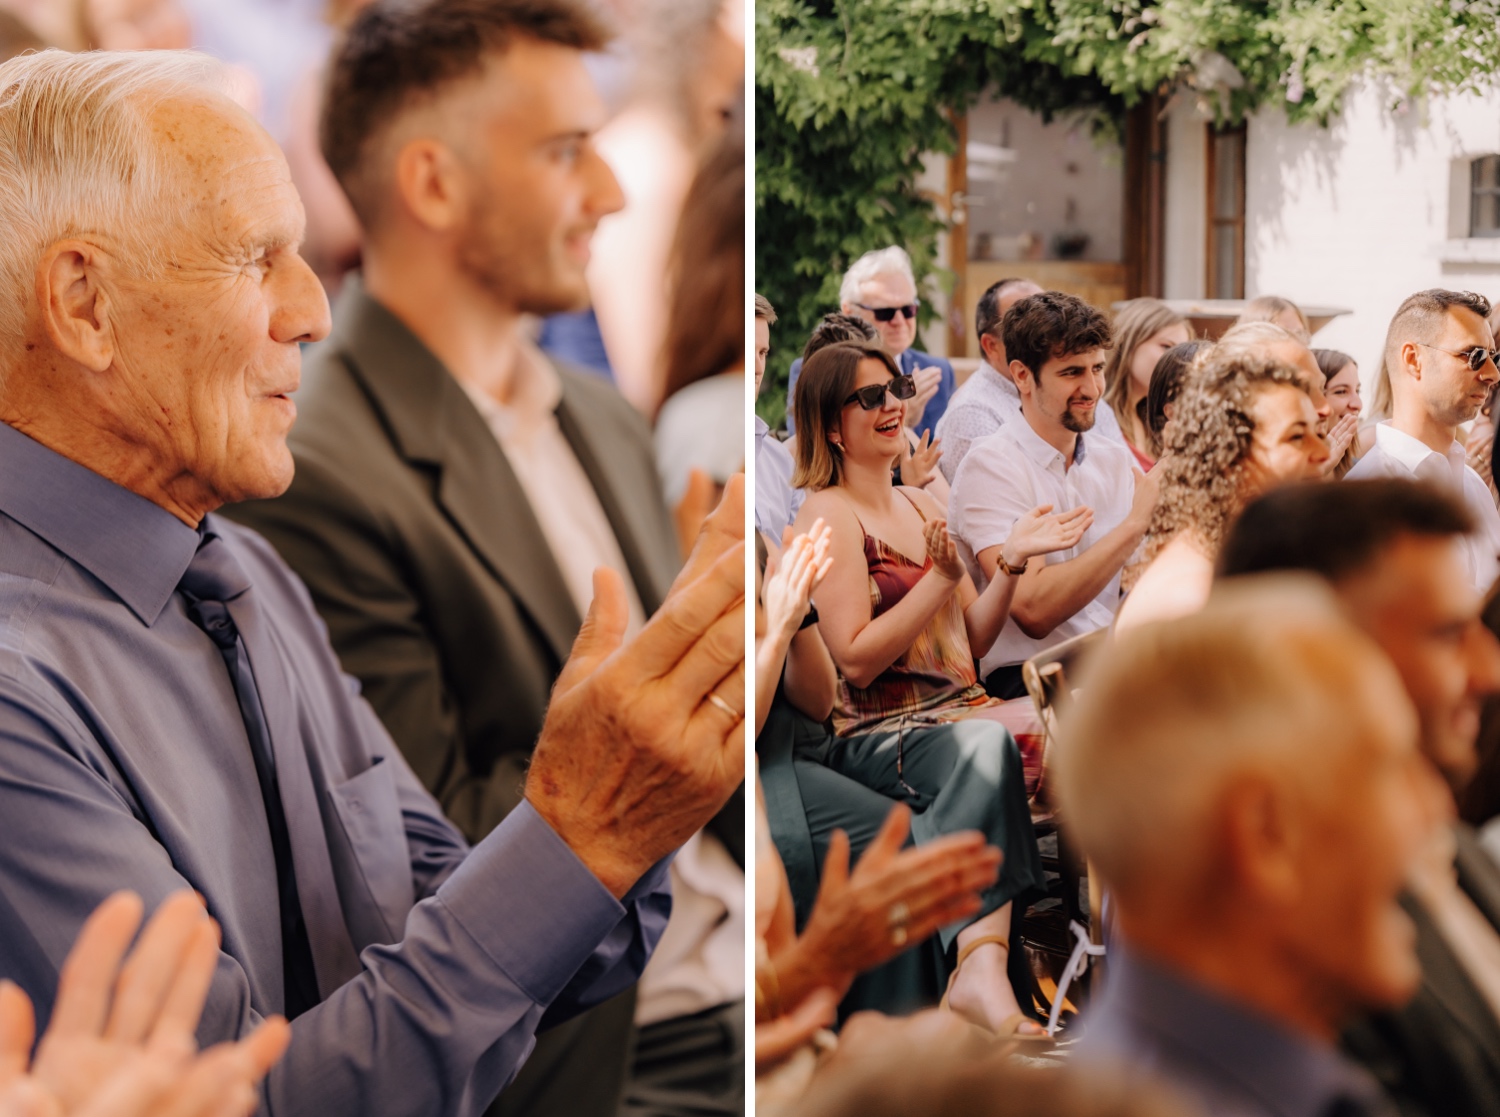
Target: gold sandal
pixel 1010 1027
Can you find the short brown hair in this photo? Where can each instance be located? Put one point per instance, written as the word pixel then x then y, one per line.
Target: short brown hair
pixel 1052 324
pixel 764 309
pixel 825 383
pixel 834 328
pixel 396 52
pixel 1420 317
pixel 706 313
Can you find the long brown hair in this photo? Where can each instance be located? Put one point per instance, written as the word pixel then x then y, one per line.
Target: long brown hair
pixel 1331 362
pixel 824 384
pixel 706 310
pixel 1138 321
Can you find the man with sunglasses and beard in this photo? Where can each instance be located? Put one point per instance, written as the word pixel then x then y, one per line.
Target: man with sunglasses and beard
pixel 881 288
pixel 1056 345
pixel 1440 354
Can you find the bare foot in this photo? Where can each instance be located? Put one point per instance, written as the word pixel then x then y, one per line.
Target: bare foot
pixel 982 995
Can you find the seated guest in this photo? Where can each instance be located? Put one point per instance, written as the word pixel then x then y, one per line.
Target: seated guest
pixel 1254 884
pixel 1439 353
pixel 86 1063
pixel 1341 386
pixel 174 716
pixel 1280 312
pixel 776 502
pixel 1167 379
pixel 1389 550
pixel 1144 329
pixel 880 288
pixel 912 722
pixel 988 397
pixel 1056 345
pixel 1242 425
pixel 455 487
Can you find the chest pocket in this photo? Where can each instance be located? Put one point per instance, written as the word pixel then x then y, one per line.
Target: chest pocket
pixel 371 862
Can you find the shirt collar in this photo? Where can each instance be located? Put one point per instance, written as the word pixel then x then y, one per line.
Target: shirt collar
pixel 1412 452
pixel 1287 1073
pixel 139 550
pixel 1039 450
pixel 999 380
pixel 762 428
pixel 535 393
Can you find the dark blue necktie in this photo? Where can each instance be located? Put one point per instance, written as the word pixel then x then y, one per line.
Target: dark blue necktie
pixel 213 578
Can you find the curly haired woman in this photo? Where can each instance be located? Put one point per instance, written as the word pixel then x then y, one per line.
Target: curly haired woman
pixel 1242 425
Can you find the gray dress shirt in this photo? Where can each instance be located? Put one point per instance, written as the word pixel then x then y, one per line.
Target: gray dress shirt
pixel 124 763
pixel 1228 1058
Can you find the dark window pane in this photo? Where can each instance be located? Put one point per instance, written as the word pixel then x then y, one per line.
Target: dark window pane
pixel 1226 263
pixel 1484 206
pixel 1229 150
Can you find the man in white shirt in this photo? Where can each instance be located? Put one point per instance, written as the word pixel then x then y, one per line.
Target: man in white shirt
pixel 989 397
pixel 1440 354
pixel 776 502
pixel 1056 345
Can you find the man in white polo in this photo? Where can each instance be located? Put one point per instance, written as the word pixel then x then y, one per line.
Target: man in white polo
pixel 1056 345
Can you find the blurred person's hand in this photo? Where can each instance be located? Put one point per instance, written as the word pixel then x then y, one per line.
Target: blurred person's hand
pixel 776 1039
pixel 1480 445
pixel 645 741
pixel 919 463
pixel 1143 501
pixel 894 899
pixel 693 509
pixel 787 590
pixel 1340 437
pixel 928 381
pixel 121 1041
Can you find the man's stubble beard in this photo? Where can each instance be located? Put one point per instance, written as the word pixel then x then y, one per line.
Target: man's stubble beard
pixel 1072 422
pixel 508 270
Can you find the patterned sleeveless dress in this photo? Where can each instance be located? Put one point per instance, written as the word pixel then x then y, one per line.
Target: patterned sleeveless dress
pixel 934 680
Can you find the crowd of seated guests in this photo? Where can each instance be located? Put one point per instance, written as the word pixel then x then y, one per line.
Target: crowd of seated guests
pixel 1294 920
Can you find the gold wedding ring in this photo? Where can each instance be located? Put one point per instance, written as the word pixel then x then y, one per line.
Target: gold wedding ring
pixel 725 706
pixel 896 918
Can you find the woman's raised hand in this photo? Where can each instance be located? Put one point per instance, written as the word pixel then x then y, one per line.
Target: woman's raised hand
pixel 788 590
pixel 1339 438
pixel 941 551
pixel 919 463
pixel 1042 531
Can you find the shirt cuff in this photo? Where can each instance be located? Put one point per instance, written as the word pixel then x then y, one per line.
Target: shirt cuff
pixel 530 904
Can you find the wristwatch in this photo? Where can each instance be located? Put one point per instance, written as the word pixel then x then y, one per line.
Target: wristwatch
pixel 809 618
pixel 1007 568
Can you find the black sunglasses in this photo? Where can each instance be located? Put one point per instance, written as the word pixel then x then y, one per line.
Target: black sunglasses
pixel 1474 356
pixel 872 396
pixel 886 313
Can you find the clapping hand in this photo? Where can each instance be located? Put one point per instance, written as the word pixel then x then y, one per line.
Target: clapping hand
pixel 1041 532
pixel 121 1038
pixel 941 551
pixel 788 590
pixel 919 464
pixel 895 898
pixel 1339 438
pixel 644 741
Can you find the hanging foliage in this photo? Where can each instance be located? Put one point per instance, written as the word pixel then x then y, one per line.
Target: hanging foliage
pixel 850 94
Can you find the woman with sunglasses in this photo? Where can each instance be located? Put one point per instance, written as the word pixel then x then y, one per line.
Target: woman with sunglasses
pixel 904 624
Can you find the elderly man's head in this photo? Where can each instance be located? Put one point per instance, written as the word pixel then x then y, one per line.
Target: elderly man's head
pixel 463 128
pixel 1267 339
pixel 881 288
pixel 1246 782
pixel 1439 355
pixel 1393 552
pixel 155 299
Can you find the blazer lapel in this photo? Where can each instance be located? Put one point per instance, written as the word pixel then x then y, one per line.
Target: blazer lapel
pixel 433 423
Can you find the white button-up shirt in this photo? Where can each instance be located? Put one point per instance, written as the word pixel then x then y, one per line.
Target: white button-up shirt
pixel 1398 454
pixel 776 502
pixel 1008 474
pixel 984 403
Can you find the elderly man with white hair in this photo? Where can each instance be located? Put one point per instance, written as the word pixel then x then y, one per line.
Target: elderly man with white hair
pixel 1246 783
pixel 171 713
pixel 881 288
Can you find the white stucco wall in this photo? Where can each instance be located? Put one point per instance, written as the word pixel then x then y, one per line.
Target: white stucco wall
pixel 1358 215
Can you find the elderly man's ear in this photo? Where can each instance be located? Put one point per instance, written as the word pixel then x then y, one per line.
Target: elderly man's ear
pixel 1263 833
pixel 75 304
pixel 431 184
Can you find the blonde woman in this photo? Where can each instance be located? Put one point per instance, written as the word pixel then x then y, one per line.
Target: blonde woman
pixel 1144 330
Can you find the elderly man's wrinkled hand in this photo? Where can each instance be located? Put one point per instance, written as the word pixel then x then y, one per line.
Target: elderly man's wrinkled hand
pixel 645 741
